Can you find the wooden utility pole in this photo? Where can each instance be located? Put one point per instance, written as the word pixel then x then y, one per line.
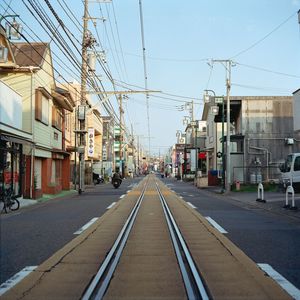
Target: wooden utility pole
pixel 121 112
pixel 83 99
pixel 121 134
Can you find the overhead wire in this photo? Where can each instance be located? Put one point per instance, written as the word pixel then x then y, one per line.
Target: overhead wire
pixel 264 37
pixel 114 41
pixel 267 70
pixel 107 109
pixel 128 86
pixel 120 44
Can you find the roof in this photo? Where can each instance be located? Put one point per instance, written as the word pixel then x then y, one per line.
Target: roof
pixel 62 101
pixel 32 54
pixel 295 92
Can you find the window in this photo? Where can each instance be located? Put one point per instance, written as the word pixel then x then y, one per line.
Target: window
pixel 297 164
pixel 42 106
pixel 56 118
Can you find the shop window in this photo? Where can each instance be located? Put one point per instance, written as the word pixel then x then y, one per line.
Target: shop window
pixel 42 106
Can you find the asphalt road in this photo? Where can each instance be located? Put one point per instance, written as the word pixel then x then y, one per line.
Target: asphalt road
pixel 265 236
pixel 31 235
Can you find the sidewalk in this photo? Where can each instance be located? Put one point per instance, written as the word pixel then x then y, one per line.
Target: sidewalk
pixel 46 197
pixel 274 200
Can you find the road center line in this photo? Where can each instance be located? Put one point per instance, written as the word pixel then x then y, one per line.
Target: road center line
pixel 110 206
pixel 11 282
pixel 87 225
pixel 216 225
pixel 284 283
pixel 191 205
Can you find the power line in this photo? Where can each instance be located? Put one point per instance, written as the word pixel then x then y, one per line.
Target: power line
pixel 262 39
pixel 278 90
pixel 267 70
pixel 127 85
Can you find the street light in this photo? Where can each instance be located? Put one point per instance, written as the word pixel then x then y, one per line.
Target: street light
pixel 215 111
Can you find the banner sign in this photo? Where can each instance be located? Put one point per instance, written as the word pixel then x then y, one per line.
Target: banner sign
pixel 91 141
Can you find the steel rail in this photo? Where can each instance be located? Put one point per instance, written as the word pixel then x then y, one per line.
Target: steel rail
pixel 194 286
pixel 97 289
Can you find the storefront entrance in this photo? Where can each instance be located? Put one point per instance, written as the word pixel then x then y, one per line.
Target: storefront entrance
pixel 11 168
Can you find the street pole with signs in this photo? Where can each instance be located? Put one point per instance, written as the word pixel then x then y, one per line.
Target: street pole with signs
pixel 220 100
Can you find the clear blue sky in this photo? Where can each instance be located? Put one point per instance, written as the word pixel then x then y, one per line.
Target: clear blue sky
pixel 180 38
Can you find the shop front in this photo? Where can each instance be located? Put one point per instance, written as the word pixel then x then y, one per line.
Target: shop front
pixel 12 165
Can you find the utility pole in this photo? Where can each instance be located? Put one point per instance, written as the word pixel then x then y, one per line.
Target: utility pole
pixel 121 111
pixel 121 134
pixel 83 98
pixel 228 65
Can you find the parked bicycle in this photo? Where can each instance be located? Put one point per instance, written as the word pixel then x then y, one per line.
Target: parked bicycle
pixel 10 201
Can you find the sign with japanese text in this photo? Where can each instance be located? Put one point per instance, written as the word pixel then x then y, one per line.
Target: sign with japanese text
pixel 91 141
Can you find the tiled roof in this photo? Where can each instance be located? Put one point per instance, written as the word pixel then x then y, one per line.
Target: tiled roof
pixel 29 54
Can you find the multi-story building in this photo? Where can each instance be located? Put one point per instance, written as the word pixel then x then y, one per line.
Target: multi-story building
pixel 29 72
pixel 261 135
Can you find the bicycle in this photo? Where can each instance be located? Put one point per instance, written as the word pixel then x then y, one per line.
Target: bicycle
pixel 10 201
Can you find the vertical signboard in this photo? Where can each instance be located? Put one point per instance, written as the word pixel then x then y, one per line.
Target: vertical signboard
pixel 91 141
pixel 193 160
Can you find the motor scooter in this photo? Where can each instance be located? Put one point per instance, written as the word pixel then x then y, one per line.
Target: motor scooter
pixel 97 178
pixel 116 182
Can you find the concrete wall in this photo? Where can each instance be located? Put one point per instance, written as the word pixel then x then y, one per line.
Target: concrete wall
pixel 296 110
pixel 266 123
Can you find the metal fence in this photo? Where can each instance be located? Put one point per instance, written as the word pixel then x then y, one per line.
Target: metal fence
pixel 253 175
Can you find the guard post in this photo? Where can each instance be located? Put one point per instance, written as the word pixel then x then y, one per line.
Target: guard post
pixel 260 193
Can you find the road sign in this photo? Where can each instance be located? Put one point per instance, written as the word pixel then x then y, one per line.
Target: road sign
pixel 219 100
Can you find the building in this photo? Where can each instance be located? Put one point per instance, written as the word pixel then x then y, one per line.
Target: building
pixel 261 135
pixel 30 74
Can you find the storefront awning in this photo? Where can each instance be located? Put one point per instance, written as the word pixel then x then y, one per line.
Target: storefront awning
pixel 15 139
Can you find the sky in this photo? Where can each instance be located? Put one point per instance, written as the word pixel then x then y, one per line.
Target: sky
pixel 261 37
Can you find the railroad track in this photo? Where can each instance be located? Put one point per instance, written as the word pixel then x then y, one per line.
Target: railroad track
pixel 194 287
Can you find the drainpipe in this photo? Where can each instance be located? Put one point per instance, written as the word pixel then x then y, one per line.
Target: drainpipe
pixel 32 132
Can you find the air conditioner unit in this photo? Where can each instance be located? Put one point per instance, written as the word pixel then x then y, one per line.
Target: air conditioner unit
pixel 289 141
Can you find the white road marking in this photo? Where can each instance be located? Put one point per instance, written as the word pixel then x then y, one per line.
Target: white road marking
pixel 284 283
pixel 132 185
pixel 191 195
pixel 9 283
pixel 191 205
pixel 216 225
pixel 87 225
pixel 122 196
pixel 128 191
pixel 108 207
